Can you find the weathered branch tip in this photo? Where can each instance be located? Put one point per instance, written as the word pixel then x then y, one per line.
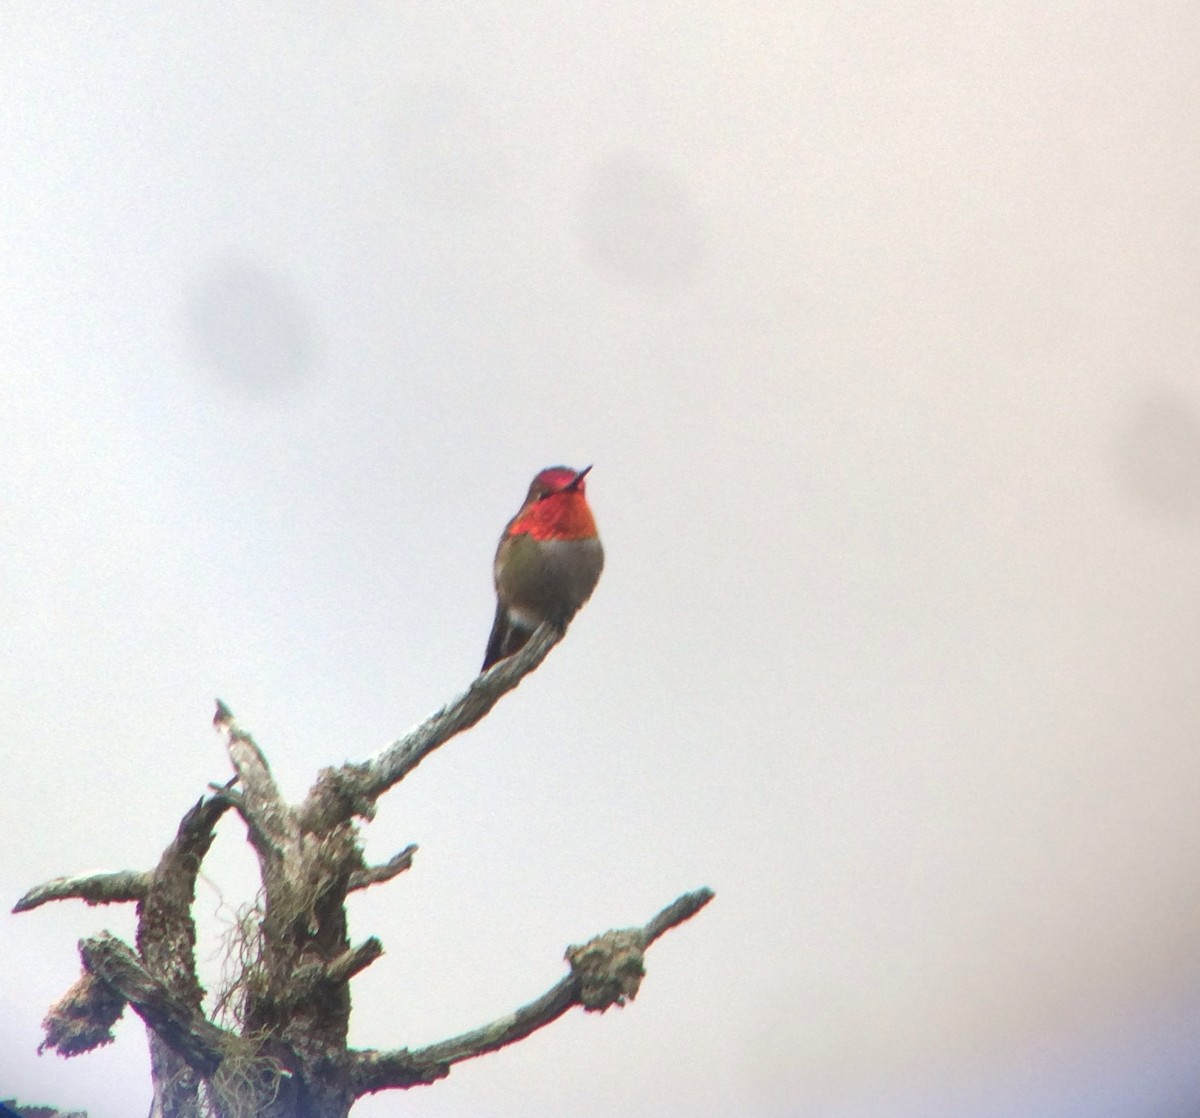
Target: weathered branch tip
pixel 93 889
pixel 223 716
pixel 605 971
pixel 681 909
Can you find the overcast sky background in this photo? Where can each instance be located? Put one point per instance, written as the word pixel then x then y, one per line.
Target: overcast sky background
pixel 879 323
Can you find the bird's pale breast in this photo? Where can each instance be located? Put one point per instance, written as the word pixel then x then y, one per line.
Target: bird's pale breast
pixel 540 580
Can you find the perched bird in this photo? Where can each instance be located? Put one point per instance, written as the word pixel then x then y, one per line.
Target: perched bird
pixel 548 561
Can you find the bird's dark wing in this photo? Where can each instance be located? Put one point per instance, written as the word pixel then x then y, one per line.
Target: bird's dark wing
pixel 495 645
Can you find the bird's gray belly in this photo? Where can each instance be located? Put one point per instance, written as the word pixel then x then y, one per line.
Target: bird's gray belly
pixel 550 580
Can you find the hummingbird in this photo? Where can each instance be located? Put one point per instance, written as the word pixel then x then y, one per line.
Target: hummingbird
pixel 548 561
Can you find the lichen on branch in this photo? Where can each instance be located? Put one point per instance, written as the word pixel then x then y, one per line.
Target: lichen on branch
pixel 281 1048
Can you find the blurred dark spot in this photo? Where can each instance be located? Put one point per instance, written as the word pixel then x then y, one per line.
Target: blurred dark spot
pixel 1158 456
pixel 639 223
pixel 444 153
pixel 249 327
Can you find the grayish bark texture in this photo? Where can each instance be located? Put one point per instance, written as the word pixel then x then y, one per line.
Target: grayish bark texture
pixel 286 1055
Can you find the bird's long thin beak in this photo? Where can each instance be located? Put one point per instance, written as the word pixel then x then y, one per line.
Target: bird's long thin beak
pixel 574 482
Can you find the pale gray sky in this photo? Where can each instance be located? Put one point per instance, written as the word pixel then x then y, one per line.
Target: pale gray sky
pixel 879 323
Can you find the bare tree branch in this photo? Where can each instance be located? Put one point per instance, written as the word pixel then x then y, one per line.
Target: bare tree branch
pixel 99 888
pixel 291 999
pixel 181 860
pixel 123 886
pixel 351 962
pixel 374 875
pixel 308 979
pixel 268 818
pixel 166 940
pixel 247 758
pixel 181 1027
pixel 264 845
pixel 681 909
pixel 610 957
pixel 353 789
